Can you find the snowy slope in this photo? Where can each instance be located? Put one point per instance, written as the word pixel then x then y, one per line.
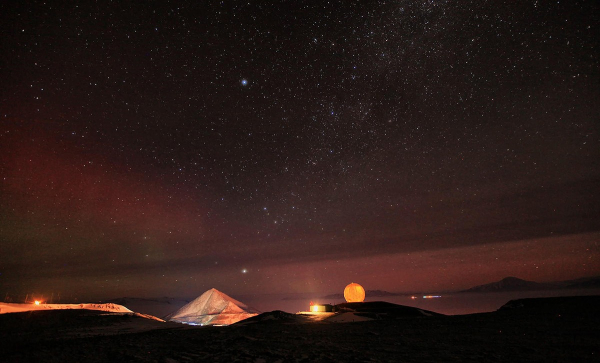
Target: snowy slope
pixel 17 308
pixel 160 307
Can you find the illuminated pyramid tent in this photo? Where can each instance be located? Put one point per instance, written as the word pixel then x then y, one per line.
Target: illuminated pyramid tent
pixel 213 308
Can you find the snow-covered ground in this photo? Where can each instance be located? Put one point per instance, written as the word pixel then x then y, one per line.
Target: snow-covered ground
pixel 347 318
pixel 563 330
pixel 315 316
pixel 17 308
pixel 160 306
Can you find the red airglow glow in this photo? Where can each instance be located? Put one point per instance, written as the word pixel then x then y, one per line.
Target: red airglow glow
pixel 51 174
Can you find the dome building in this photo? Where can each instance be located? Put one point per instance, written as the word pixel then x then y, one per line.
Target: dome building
pixel 354 293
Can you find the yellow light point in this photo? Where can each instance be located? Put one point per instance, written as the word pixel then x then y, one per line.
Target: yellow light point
pixel 314 308
pixel 37 302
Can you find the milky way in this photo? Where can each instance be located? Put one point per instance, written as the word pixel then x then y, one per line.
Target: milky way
pixel 164 149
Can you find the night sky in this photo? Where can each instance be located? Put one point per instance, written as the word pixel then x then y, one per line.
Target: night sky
pixel 162 149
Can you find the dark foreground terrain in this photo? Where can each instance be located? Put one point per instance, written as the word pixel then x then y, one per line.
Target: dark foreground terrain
pixel 552 329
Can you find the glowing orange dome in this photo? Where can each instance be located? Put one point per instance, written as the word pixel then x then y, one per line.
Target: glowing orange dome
pixel 354 293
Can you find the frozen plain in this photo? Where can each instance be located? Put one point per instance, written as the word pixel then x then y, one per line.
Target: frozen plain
pixel 556 329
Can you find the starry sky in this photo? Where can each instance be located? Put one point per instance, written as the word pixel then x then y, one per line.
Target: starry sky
pixel 165 148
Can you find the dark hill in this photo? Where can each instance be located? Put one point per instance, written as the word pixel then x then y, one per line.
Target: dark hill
pixel 276 316
pixel 572 305
pixel 511 284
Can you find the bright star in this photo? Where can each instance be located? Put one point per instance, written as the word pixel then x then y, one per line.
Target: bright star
pixel 244 271
pixel 244 82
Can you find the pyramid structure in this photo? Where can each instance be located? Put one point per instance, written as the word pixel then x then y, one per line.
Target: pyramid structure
pixel 213 308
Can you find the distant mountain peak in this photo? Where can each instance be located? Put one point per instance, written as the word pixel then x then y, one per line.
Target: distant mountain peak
pixel 510 283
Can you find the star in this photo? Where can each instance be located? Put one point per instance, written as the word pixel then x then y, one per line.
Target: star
pixel 384 130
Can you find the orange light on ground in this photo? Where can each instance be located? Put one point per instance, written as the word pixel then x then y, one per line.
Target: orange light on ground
pixel 37 302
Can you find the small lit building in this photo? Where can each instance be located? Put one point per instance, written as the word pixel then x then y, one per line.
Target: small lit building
pixel 321 308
